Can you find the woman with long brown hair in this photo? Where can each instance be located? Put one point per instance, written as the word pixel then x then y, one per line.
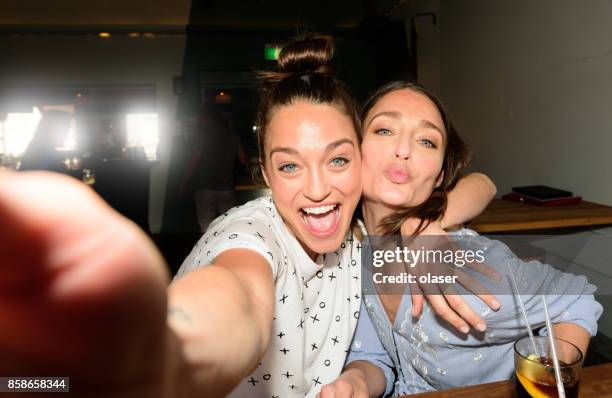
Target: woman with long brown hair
pixel 412 157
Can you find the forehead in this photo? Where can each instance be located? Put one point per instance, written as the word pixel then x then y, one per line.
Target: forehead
pixel 307 123
pixel 409 104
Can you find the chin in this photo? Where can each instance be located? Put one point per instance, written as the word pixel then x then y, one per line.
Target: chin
pixel 395 199
pixel 326 247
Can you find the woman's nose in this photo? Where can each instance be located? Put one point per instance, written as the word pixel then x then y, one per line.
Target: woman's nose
pixel 402 148
pixel 317 187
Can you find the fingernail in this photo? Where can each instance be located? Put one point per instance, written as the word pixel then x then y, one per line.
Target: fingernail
pixel 496 304
pixel 481 327
pixel 464 329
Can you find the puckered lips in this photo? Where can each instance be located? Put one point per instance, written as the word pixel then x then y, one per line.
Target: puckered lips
pixel 321 220
pixel 397 174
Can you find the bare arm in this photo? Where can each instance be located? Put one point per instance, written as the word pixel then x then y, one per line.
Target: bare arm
pixel 360 379
pixel 373 376
pixel 468 199
pixel 222 316
pixel 573 333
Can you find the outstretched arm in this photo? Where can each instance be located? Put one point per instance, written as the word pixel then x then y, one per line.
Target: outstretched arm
pixel 80 284
pixel 468 199
pixel 222 315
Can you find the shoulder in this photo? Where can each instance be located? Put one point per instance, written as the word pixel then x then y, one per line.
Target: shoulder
pixel 260 211
pixel 493 249
pixel 256 225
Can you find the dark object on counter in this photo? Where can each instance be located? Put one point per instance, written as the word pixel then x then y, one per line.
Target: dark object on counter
pixel 542 192
pixel 516 197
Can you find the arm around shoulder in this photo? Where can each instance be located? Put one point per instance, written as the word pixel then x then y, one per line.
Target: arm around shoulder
pixel 468 199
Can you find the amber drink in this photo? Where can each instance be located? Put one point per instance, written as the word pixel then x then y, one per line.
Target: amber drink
pixel 535 373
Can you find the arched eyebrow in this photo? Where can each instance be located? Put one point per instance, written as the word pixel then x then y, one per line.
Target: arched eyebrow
pixel 427 124
pixel 391 114
pixel 339 142
pixel 330 147
pixel 397 115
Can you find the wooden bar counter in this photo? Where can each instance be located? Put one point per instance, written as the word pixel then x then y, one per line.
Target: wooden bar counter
pixel 506 216
pixel 595 382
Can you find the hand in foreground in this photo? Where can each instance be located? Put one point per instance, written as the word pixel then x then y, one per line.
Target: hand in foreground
pixel 444 299
pixel 82 290
pixel 350 384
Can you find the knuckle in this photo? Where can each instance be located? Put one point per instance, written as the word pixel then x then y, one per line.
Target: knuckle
pixel 326 390
pixel 344 390
pixel 456 301
pixel 444 312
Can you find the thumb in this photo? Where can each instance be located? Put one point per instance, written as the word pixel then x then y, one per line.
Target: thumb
pixel 38 209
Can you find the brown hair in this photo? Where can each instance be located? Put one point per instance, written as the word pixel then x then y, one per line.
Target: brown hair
pixel 456 158
pixel 303 73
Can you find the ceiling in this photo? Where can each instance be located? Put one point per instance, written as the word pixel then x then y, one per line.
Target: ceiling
pixel 175 15
pixel 94 12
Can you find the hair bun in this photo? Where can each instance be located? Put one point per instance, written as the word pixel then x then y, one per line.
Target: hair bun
pixel 307 54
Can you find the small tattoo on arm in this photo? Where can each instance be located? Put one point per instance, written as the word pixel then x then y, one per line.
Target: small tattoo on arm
pixel 179 313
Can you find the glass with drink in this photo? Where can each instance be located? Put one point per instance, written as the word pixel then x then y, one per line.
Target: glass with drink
pixel 535 373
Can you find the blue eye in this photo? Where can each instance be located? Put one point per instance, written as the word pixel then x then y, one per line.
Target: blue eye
pixel 382 132
pixel 428 143
pixel 288 168
pixel 339 162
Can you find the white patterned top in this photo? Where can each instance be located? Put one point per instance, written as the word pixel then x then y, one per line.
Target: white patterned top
pixel 317 302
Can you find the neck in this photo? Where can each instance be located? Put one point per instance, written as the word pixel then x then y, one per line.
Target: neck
pixel 373 214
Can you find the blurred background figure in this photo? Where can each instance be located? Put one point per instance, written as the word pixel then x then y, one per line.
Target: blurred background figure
pixel 211 169
pixel 109 140
pixel 51 134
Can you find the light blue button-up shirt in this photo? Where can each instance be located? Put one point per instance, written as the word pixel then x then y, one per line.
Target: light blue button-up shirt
pixel 429 354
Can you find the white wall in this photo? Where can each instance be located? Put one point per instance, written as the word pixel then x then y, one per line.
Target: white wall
pixel 88 60
pixel 529 85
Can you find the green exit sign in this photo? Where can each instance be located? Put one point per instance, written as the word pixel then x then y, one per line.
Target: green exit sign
pixel 272 51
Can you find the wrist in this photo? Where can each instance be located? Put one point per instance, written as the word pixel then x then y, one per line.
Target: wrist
pixel 356 377
pixel 354 373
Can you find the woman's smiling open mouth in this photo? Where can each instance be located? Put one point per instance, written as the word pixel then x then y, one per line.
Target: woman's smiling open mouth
pixel 323 220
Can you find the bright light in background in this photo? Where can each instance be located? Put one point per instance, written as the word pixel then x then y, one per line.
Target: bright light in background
pixel 70 143
pixel 223 98
pixel 19 128
pixel 18 132
pixel 143 131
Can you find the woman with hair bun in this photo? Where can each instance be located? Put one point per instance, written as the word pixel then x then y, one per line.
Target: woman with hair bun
pixel 266 303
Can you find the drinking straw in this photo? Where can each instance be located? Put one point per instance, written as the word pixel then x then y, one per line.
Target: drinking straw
pixel 551 338
pixel 527 325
